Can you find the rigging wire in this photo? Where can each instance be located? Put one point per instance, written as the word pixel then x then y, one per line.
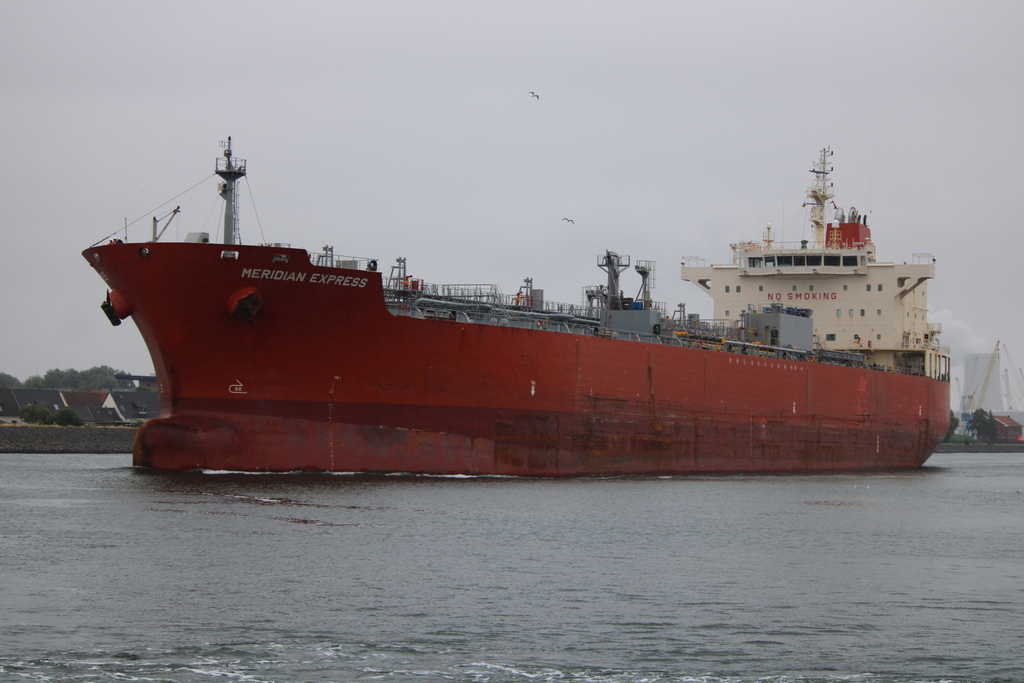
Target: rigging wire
pixel 150 212
pixel 213 207
pixel 256 213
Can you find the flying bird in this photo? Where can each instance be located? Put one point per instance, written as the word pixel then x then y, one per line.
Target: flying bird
pixel 535 94
pixel 570 220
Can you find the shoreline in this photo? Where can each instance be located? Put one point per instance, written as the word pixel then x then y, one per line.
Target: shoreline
pixel 57 440
pixel 52 439
pixel 980 448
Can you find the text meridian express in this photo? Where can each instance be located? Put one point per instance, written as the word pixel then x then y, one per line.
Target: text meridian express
pixel 314 278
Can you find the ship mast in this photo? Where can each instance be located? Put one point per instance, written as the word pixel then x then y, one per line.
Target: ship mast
pixel 817 195
pixel 230 169
pixel 613 264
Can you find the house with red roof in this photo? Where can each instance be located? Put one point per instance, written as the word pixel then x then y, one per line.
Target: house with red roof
pixel 1008 430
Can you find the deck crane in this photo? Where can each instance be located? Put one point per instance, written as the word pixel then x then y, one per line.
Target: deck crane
pixel 156 223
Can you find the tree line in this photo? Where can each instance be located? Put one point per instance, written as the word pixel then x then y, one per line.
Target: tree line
pixel 980 424
pixel 41 415
pixel 99 377
pixel 983 425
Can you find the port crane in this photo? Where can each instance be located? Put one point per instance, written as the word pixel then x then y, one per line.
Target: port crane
pixel 976 400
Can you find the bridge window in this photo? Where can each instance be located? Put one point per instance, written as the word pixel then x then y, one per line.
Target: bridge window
pixel 785 260
pixel 830 337
pixel 849 260
pixel 814 260
pixel 755 262
pixel 832 260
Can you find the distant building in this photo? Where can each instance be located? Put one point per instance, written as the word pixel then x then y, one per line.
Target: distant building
pixel 134 405
pixel 95 407
pixel 83 399
pixel 13 400
pixel 8 406
pixel 1008 430
pixel 148 381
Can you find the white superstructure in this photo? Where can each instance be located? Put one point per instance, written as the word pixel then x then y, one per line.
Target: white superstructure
pixel 859 304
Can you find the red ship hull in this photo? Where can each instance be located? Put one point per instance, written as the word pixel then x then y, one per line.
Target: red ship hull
pixel 325 378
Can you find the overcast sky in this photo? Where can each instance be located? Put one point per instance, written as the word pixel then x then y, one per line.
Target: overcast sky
pixel 387 129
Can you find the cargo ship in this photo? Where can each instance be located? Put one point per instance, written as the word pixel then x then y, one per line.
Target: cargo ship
pixel 276 359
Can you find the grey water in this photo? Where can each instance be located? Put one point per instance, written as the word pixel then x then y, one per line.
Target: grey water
pixel 109 573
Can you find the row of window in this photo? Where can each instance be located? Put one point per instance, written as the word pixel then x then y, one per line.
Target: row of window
pixel 805 260
pixel 810 288
pixel 839 312
pixel 832 337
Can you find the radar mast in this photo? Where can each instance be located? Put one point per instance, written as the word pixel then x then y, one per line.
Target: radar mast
pixel 818 194
pixel 230 169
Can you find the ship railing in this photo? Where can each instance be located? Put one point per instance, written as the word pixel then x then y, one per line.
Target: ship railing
pixel 924 345
pixel 551 316
pixel 329 259
pixel 411 289
pixel 727 345
pixel 470 312
pixel 527 303
pixel 575 310
pixel 482 294
pixel 703 327
pixel 482 304
pixel 796 247
pixel 841 357
pixel 485 297
pixel 230 164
